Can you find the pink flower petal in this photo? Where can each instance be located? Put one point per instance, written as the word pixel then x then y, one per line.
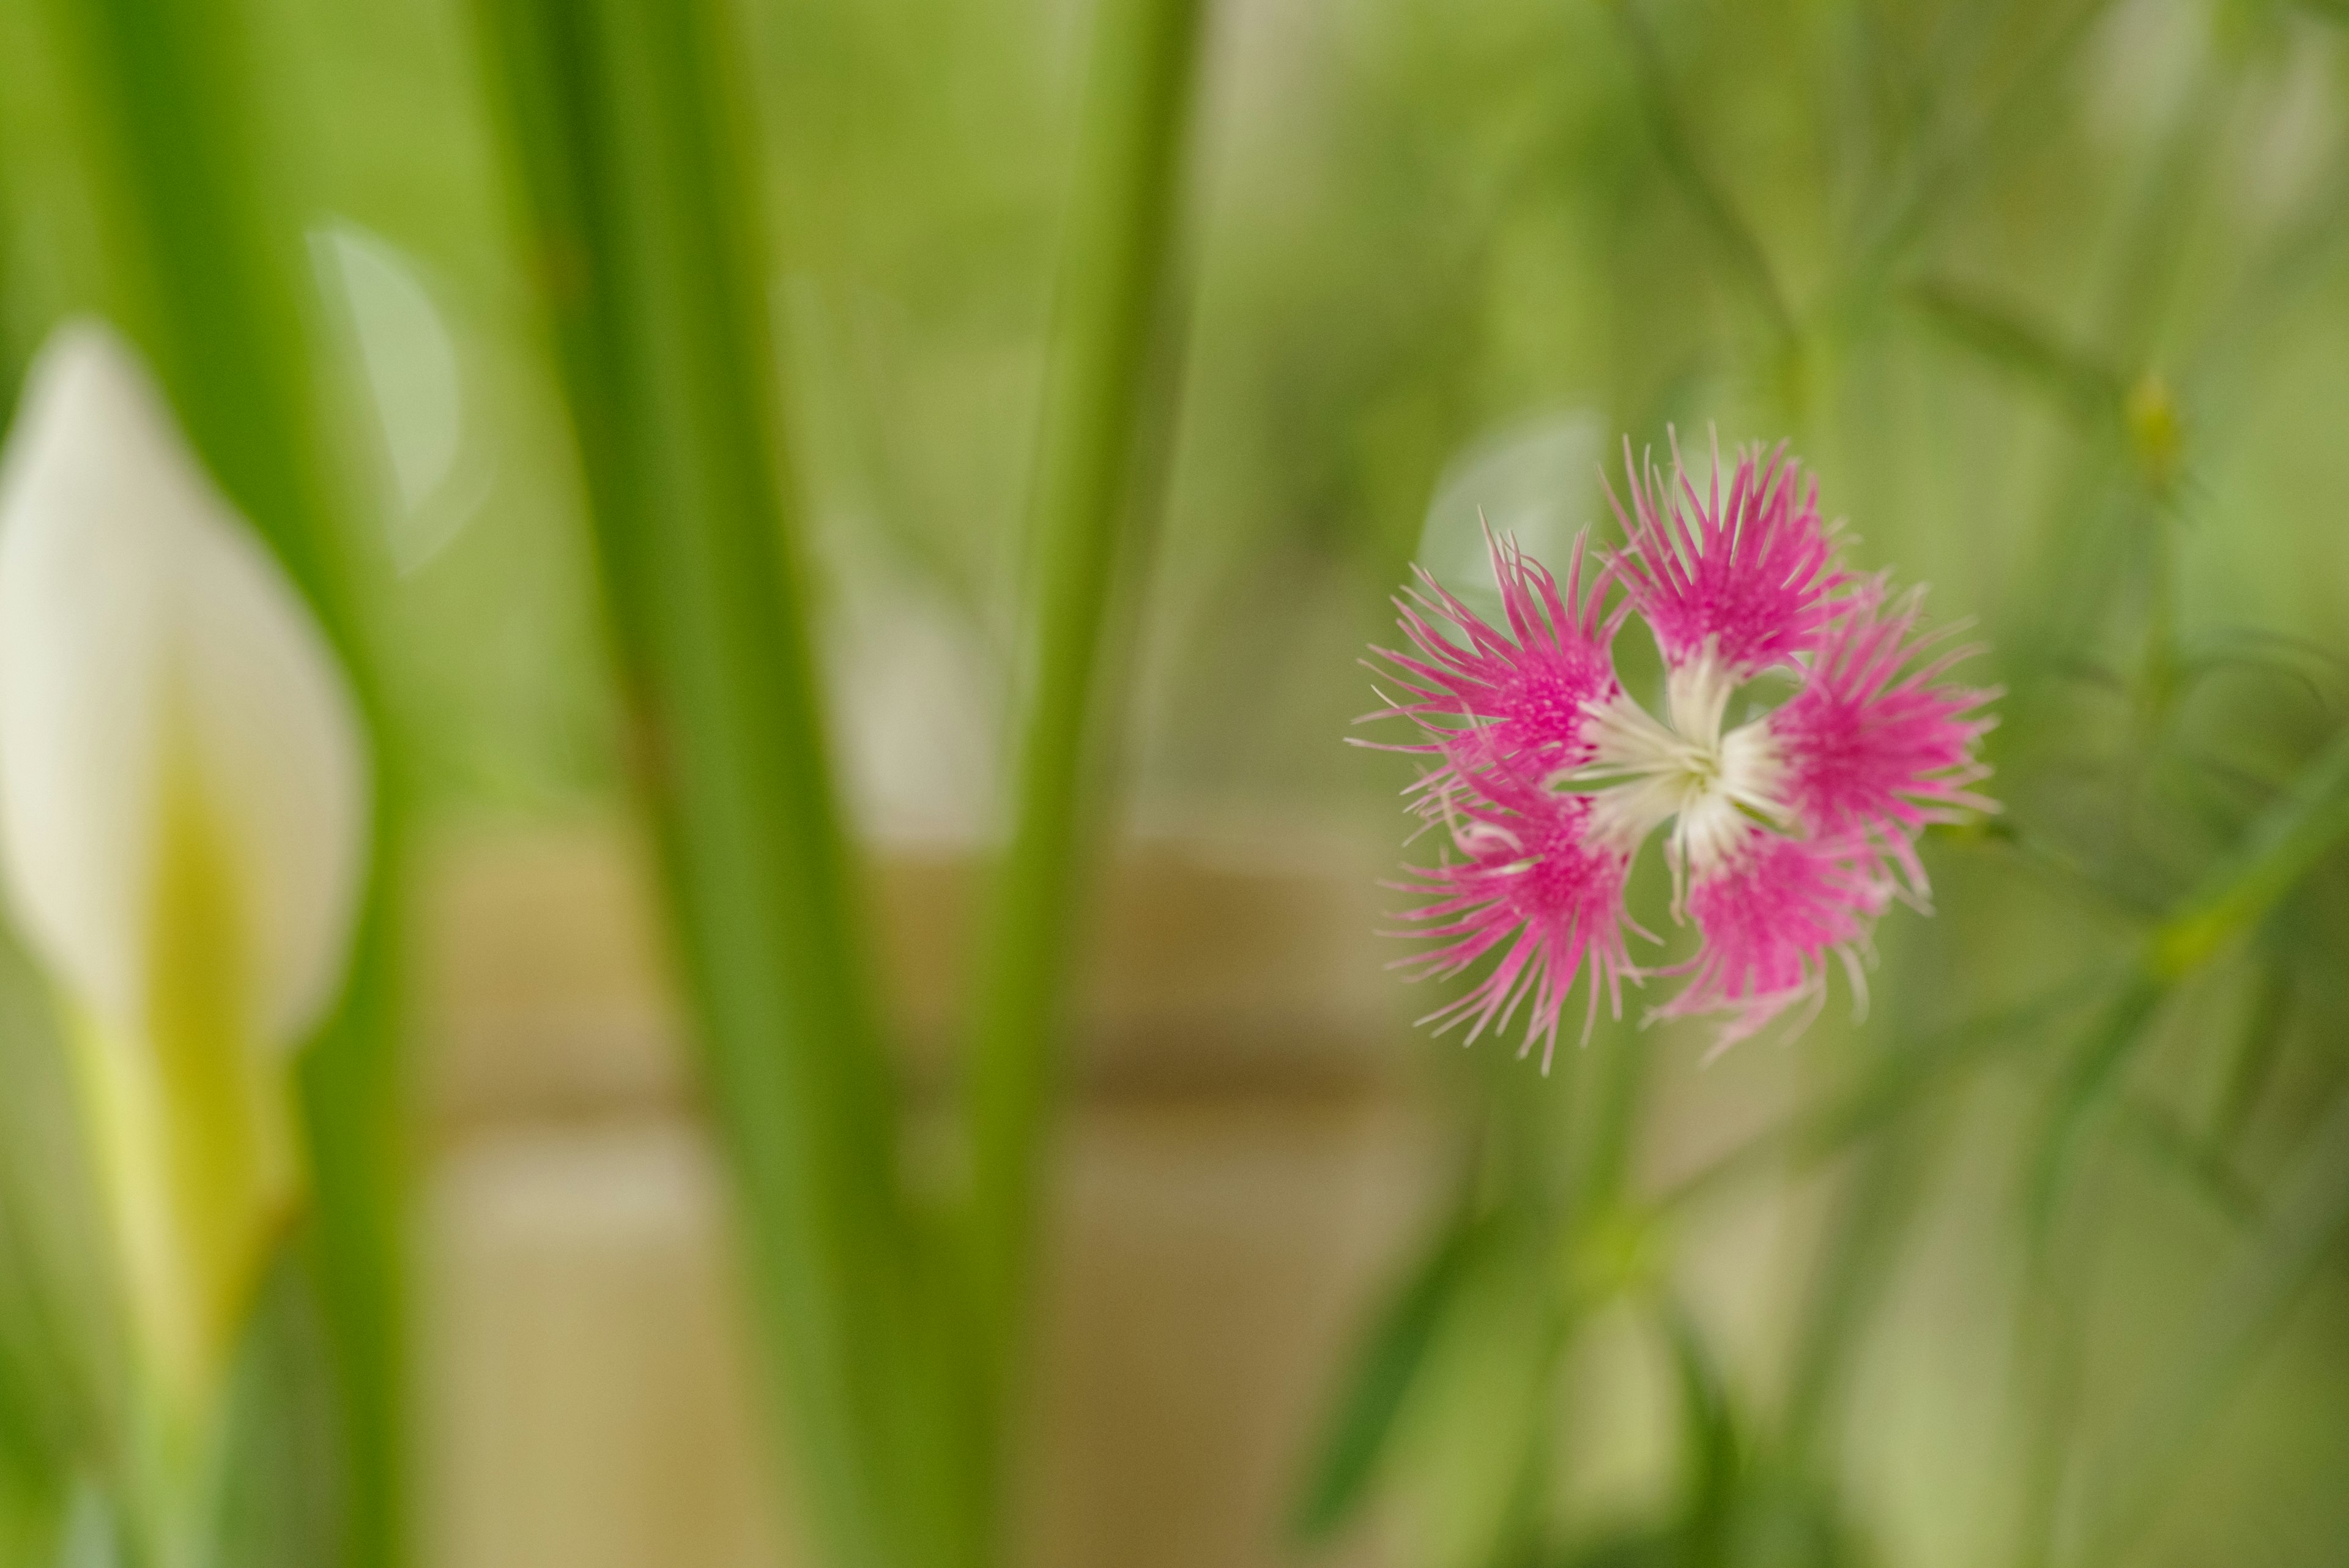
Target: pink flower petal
pixel 1755 579
pixel 1535 887
pixel 1768 919
pixel 1484 697
pixel 1876 744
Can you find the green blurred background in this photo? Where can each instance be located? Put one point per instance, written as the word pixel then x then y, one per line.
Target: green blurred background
pixel 2055 298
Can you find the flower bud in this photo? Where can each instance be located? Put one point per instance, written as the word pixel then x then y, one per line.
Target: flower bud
pixel 182 831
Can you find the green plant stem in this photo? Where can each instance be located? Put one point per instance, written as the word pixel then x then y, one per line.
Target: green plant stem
pixel 2085 1088
pixel 1957 157
pixel 1386 1367
pixel 1872 1226
pixel 2266 1027
pixel 2050 1351
pixel 629 125
pixel 1113 340
pixel 2280 848
pixel 1714 208
pixel 1902 1078
pixel 211 284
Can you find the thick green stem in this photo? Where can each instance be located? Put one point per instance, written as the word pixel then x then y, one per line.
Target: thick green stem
pixel 630 126
pixel 1112 346
pixel 211 281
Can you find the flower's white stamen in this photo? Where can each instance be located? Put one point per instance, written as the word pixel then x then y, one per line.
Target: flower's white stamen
pixel 1647 772
pixel 1696 695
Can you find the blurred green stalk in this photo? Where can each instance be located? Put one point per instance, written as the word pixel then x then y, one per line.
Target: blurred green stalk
pixel 2281 847
pixel 1108 397
pixel 212 285
pixel 2244 1306
pixel 635 151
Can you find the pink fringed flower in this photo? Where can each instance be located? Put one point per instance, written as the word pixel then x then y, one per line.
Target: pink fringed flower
pixel 1783 834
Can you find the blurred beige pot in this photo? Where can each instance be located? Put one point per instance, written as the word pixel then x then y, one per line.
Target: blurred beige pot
pixel 1239 1170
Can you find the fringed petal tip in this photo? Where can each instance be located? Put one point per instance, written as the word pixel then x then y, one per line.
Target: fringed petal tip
pixel 1479 694
pixel 1768 921
pixel 1876 744
pixel 1535 890
pixel 1752 576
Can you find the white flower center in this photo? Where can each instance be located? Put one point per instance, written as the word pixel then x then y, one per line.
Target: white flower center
pixel 1681 769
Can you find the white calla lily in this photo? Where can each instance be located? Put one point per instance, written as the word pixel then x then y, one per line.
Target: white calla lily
pixel 182 829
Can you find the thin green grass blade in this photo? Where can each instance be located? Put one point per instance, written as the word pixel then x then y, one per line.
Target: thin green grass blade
pixel 2278 851
pixel 1904 1074
pixel 1374 1391
pixel 2244 1307
pixel 2280 848
pixel 1710 1458
pixel 2003 335
pixel 2086 1087
pixel 2197 1165
pixel 1732 232
pixel 2266 1026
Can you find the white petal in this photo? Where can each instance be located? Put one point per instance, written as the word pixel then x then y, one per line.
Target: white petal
pixel 1753 773
pixel 1696 695
pixel 137 611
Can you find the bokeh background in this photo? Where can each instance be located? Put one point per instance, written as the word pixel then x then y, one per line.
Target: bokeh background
pixel 2038 1262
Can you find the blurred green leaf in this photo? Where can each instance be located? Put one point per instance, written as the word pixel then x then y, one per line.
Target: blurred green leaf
pixel 1710 201
pixel 629 129
pixel 281 1487
pixel 1111 387
pixel 2085 1087
pixel 1653 1547
pixel 2266 1023
pixel 1900 1074
pixel 1373 1391
pixel 1875 1213
pixel 88 1534
pixel 2004 336
pixel 206 253
pixel 2280 848
pixel 1967 144
pixel 1711 1456
pixel 2242 1309
pixel 32 1513
pixel 2200 1166
pixel 2298 259
pixel 1484 1403
pixel 63 1407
